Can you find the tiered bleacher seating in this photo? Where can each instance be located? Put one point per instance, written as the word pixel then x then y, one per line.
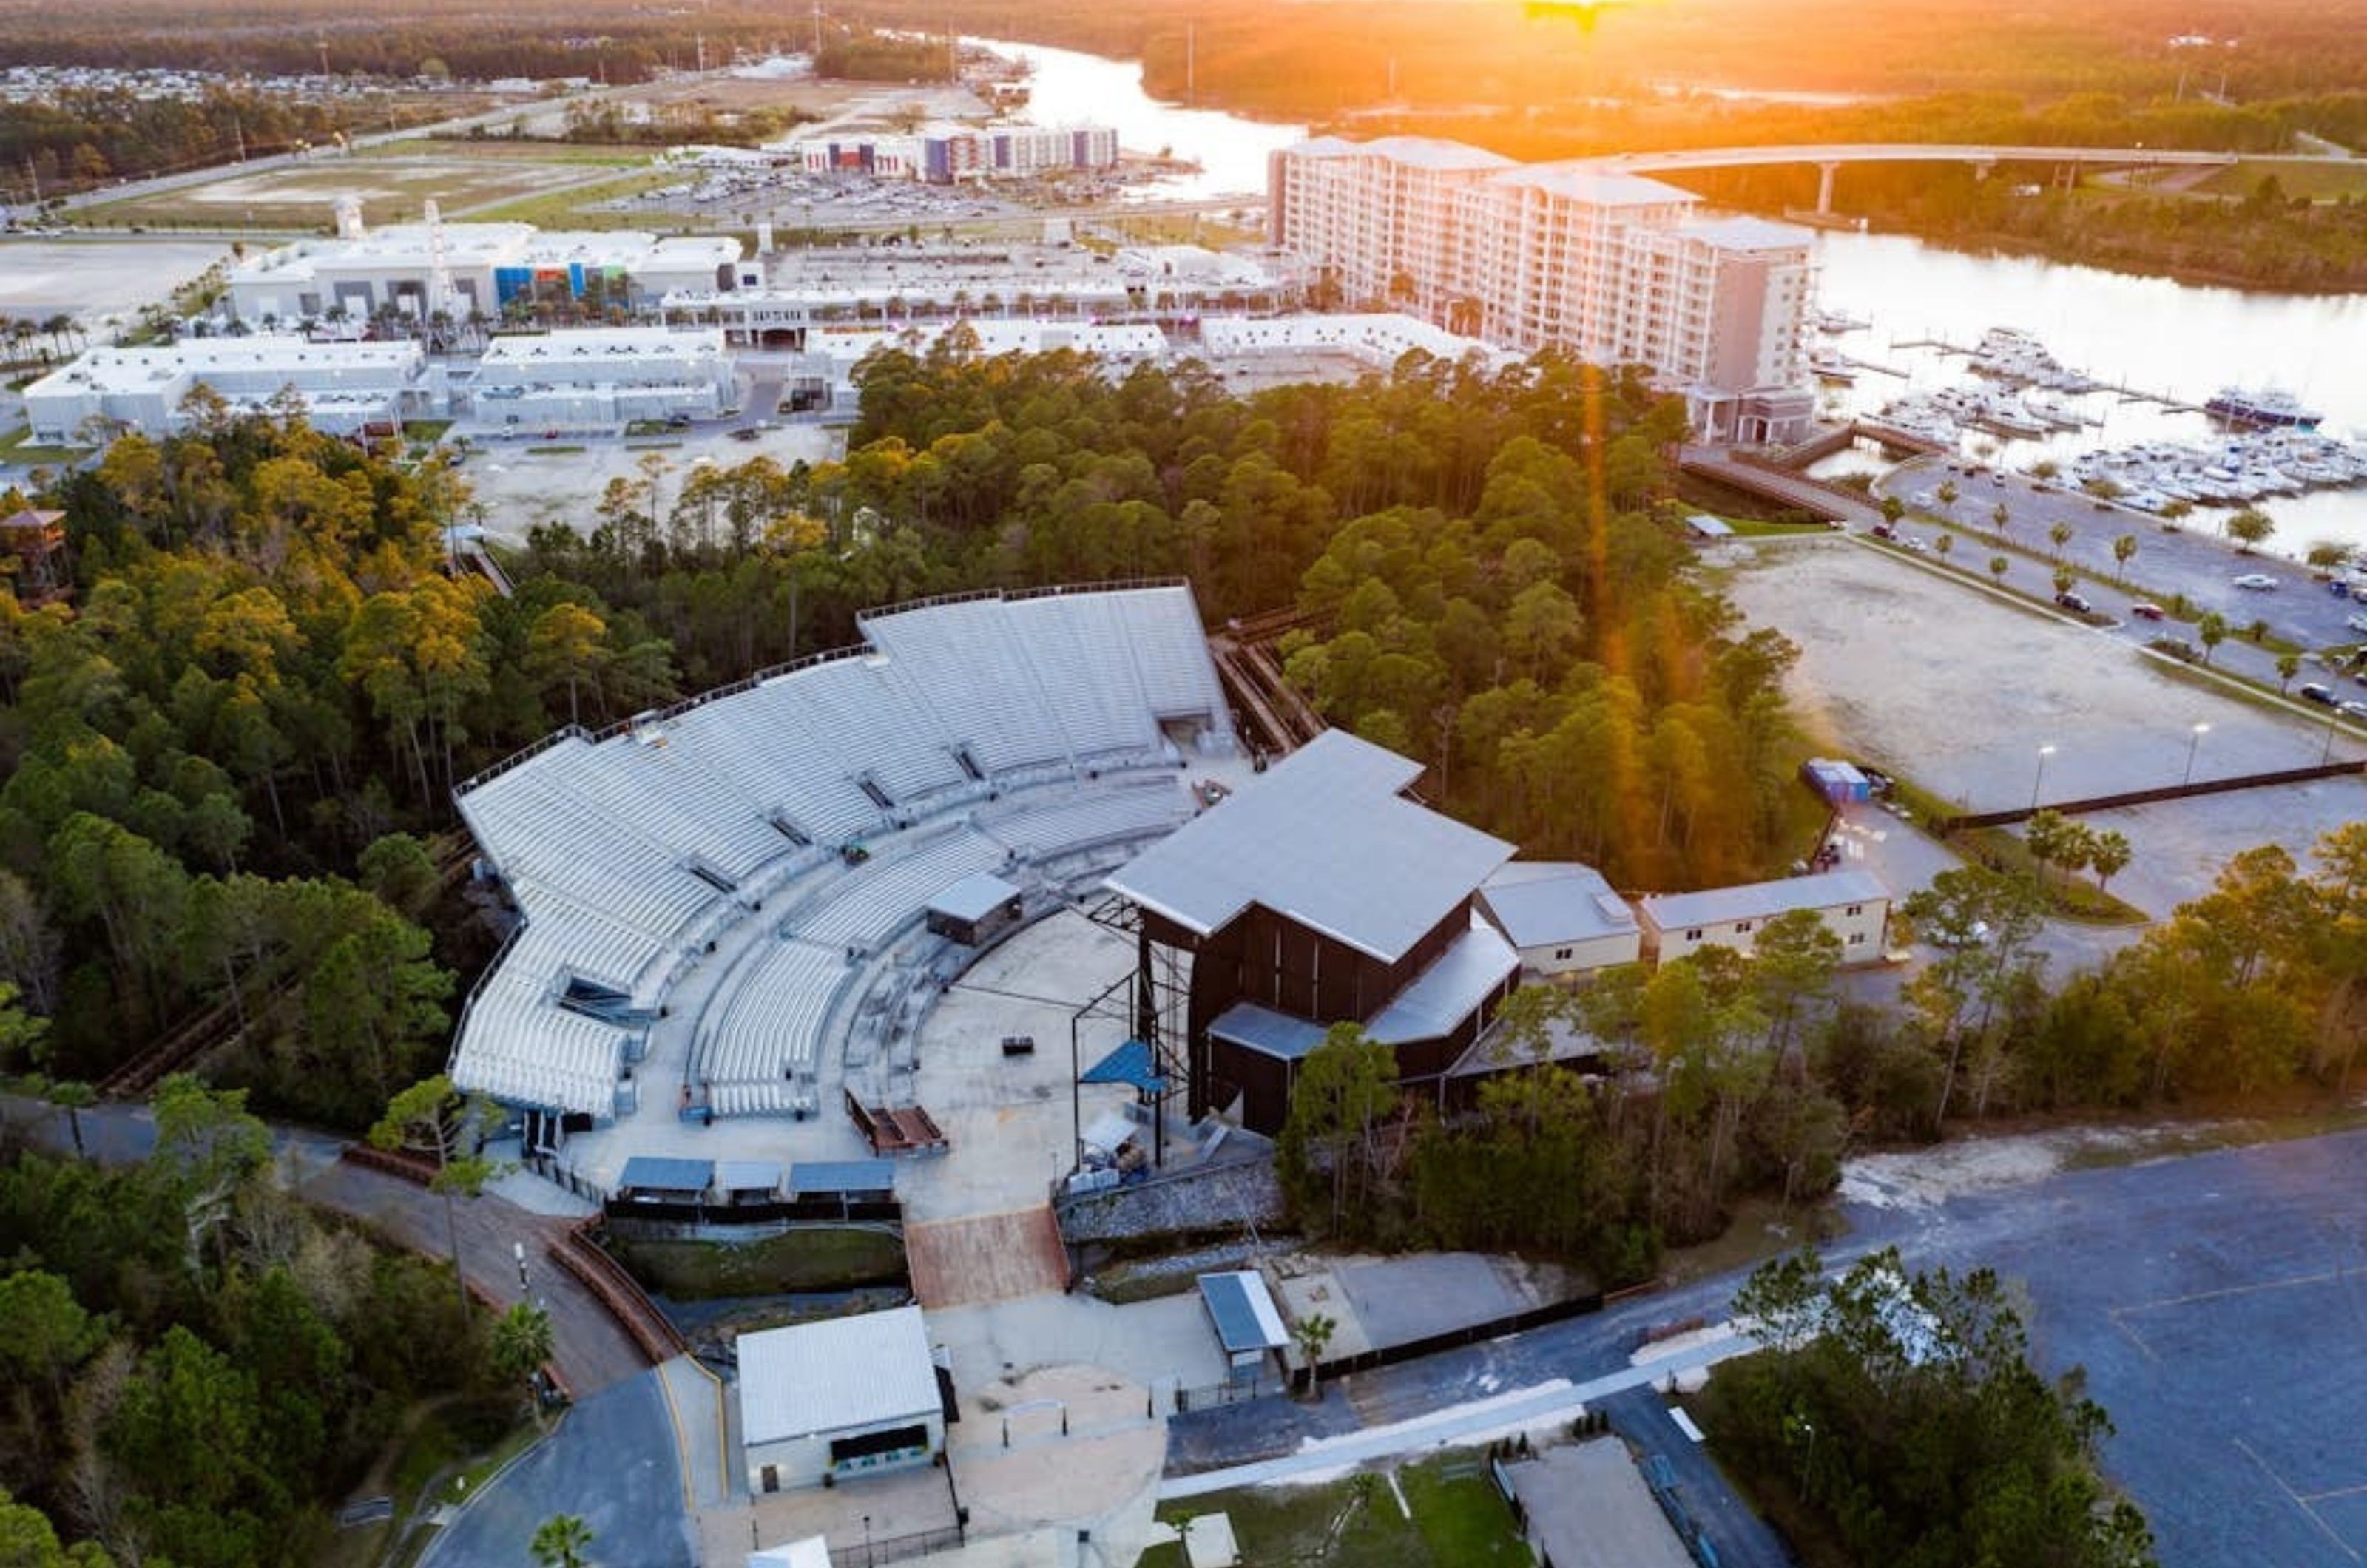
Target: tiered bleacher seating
pixel 525 1050
pixel 1077 646
pixel 1088 819
pixel 631 855
pixel 543 839
pixel 865 714
pixel 1171 655
pixel 752 740
pixel 768 1030
pixel 674 801
pixel 884 897
pixel 966 657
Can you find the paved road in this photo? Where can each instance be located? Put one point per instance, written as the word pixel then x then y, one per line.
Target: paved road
pixel 591 1351
pixel 1743 1540
pixel 612 1463
pixel 2214 1301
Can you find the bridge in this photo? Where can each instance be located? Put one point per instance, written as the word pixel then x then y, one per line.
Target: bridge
pixel 1829 158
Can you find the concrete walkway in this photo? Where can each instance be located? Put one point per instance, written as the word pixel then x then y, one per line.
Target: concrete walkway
pixel 1457 1424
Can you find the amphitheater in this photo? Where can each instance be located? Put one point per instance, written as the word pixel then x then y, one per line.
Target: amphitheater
pixel 724 902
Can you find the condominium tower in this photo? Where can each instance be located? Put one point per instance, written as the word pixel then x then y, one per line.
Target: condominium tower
pixel 1615 268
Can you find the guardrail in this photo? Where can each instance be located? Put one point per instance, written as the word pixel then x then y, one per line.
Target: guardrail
pixel 524 755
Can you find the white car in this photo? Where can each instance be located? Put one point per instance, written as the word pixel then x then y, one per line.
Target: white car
pixel 2259 582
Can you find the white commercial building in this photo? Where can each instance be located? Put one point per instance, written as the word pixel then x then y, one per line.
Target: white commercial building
pixel 1610 266
pixel 1854 904
pixel 948 151
pixel 838 1398
pixel 464 270
pixel 605 376
pixel 343 387
pixel 1562 917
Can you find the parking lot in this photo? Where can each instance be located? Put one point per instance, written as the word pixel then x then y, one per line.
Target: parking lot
pixel 2188 558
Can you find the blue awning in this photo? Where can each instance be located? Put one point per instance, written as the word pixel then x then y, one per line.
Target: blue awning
pixel 660 1173
pixel 1242 1309
pixel 1131 1064
pixel 832 1176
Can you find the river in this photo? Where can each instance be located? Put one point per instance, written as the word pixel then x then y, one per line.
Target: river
pixel 1065 88
pixel 2183 340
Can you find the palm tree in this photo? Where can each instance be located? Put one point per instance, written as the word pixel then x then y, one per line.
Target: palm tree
pixel 2123 548
pixel 2000 514
pixel 1998 565
pixel 2060 533
pixel 561 1542
pixel 2211 631
pixel 2288 666
pixel 521 1340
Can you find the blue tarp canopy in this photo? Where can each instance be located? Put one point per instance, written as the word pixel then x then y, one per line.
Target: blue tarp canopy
pixel 1242 1309
pixel 822 1175
pixel 659 1173
pixel 1131 1064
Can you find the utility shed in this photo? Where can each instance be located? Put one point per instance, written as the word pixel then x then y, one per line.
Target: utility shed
pixel 1242 1311
pixel 838 1398
pixel 1840 782
pixel 975 910
pixel 659 1179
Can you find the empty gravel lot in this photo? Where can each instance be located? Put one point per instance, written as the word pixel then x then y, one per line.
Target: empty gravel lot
pixel 1956 690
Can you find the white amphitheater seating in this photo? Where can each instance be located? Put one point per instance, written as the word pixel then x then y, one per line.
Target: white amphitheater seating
pixel 866 713
pixel 542 840
pixel 1090 818
pixel 525 1050
pixel 1171 655
pixel 769 1027
pixel 965 655
pixel 751 739
pixel 884 895
pixel 678 803
pixel 596 839
pixel 1077 645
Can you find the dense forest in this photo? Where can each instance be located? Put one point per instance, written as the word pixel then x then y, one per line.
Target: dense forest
pixel 197 1365
pixel 1715 1077
pixel 89 136
pixel 1895 1419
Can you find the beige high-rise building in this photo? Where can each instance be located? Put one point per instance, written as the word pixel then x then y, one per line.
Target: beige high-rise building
pixel 1609 267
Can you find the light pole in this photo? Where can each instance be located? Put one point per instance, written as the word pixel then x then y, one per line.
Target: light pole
pixel 2193 739
pixel 2038 779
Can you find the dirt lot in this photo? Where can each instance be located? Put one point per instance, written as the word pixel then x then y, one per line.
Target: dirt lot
pixel 90 279
pixel 521 489
pixel 1958 691
pixel 391 190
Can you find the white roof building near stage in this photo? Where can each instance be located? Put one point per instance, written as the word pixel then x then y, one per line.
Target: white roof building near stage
pixel 343 387
pixel 838 1397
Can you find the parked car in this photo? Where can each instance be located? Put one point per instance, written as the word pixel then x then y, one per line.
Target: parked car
pixel 2177 648
pixel 2354 710
pixel 2312 691
pixel 2147 612
pixel 2071 601
pixel 2259 582
pixel 1885 531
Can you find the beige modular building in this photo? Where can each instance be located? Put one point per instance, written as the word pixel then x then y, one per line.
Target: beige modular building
pixel 1853 904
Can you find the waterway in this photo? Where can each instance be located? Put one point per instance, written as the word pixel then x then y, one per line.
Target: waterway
pixel 1067 87
pixel 2181 340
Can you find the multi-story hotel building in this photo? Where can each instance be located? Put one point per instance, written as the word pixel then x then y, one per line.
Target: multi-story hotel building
pixel 1612 267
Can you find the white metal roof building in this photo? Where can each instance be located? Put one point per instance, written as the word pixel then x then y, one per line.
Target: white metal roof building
pixel 1325 840
pixel 837 1398
pixel 1563 917
pixel 1853 904
pixel 342 386
pixel 603 375
pixel 484 264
